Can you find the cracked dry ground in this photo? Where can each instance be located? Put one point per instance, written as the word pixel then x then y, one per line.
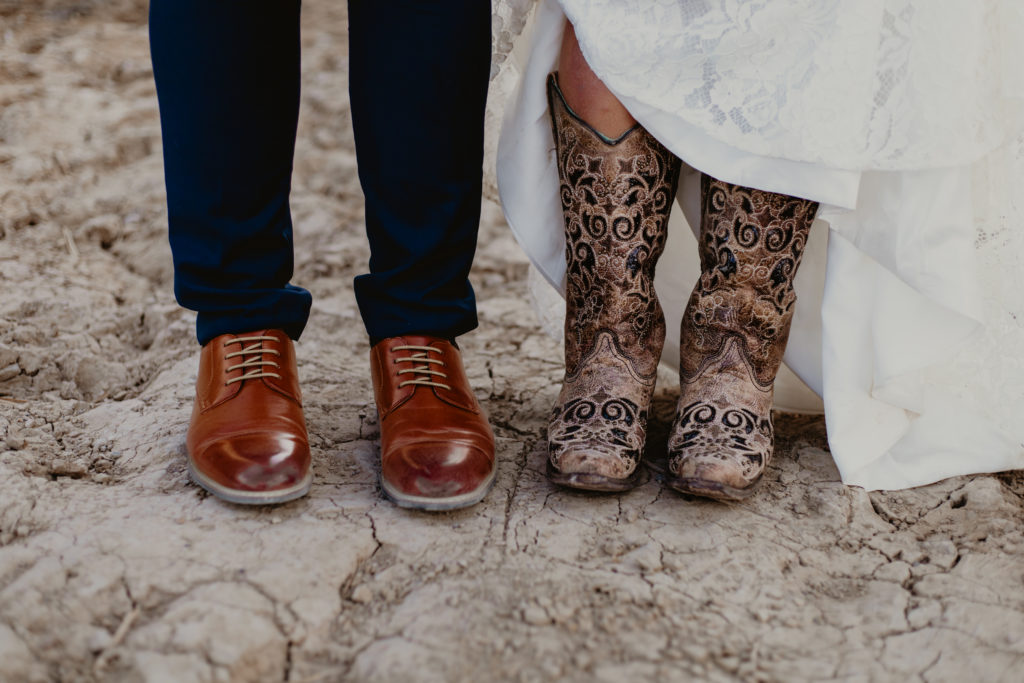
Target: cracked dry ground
pixel 114 567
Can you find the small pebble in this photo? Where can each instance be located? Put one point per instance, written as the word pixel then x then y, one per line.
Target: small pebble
pixel 362 594
pixel 535 615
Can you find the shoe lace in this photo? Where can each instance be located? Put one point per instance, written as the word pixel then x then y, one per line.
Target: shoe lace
pixel 252 362
pixel 422 361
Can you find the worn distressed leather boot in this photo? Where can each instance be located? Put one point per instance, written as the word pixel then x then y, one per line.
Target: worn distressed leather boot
pixel 436 447
pixel 616 196
pixel 247 438
pixel 734 332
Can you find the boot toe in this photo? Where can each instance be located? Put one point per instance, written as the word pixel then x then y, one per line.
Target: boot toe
pixel 587 469
pixel 593 460
pixel 718 478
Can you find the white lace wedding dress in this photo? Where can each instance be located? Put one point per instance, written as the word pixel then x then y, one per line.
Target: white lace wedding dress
pixel 904 118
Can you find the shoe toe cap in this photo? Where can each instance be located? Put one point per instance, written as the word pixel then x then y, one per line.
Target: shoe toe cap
pixel 437 470
pixel 254 462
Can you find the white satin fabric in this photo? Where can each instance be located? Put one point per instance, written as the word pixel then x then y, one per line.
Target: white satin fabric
pixel 903 118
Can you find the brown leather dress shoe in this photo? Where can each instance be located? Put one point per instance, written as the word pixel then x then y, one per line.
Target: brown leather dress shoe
pixel 247 440
pixel 436 447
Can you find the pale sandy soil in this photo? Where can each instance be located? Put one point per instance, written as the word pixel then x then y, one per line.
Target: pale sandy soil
pixel 114 567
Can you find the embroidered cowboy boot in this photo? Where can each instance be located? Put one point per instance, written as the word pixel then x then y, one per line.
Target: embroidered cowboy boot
pixel 616 196
pixel 733 335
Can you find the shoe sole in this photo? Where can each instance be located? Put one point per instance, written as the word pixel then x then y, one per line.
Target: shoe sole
pixel 463 500
pixel 707 488
pixel 597 483
pixel 243 497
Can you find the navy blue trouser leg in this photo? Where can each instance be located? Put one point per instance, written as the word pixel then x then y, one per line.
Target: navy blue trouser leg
pixel 227 76
pixel 418 76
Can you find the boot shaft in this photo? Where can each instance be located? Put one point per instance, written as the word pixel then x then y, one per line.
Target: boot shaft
pixel 751 243
pixel 754 239
pixel 616 196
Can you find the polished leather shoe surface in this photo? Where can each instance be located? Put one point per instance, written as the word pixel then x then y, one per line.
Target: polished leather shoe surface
pixel 247 439
pixel 437 449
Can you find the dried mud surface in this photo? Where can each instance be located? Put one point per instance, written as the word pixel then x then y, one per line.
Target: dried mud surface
pixel 114 567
